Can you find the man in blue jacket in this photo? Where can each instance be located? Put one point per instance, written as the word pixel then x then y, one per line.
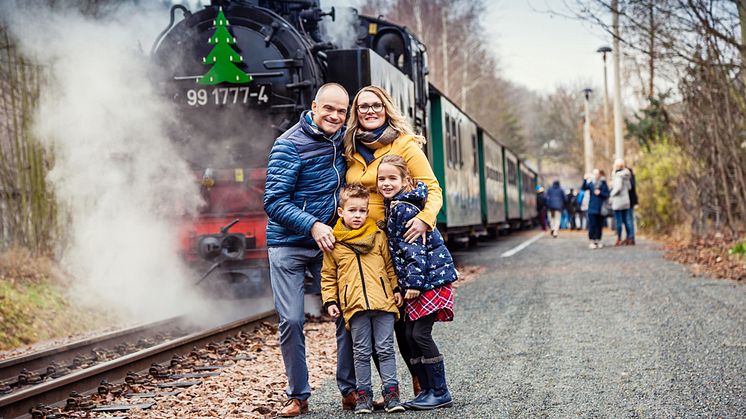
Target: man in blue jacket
pixel 305 171
pixel 556 203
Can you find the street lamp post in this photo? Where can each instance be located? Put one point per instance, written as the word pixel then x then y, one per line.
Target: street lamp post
pixel 618 138
pixel 607 135
pixel 587 143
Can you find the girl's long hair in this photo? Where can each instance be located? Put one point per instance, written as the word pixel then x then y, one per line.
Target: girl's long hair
pixel 394 118
pixel 401 165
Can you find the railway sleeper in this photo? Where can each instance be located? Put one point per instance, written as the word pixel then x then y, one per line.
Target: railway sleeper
pixel 151 394
pixel 122 407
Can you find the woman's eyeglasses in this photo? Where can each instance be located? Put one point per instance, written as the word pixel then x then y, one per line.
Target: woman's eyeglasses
pixel 364 108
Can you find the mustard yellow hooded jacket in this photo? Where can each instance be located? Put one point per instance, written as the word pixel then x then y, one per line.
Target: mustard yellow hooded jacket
pixel 358 275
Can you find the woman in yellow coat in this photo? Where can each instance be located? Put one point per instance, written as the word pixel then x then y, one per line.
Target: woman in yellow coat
pixel 376 128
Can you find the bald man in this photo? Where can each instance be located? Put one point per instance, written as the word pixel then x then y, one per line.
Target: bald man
pixel 305 171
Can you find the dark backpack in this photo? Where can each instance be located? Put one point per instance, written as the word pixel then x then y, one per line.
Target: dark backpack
pixel 632 190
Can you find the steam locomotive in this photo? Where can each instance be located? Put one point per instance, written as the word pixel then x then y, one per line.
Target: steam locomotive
pixel 240 72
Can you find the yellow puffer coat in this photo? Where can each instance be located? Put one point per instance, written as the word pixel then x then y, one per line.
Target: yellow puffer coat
pixel 359 274
pixel 367 175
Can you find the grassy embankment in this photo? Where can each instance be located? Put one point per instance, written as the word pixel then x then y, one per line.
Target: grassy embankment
pixel 33 304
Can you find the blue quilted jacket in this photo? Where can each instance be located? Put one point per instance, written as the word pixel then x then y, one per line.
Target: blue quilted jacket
pixel 304 174
pixel 418 266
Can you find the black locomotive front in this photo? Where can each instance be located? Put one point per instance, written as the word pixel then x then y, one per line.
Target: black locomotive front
pixel 225 128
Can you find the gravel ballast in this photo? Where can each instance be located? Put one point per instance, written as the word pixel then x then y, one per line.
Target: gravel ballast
pixel 558 330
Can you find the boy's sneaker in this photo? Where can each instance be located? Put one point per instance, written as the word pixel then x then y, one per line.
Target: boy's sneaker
pixel 364 402
pixel 391 400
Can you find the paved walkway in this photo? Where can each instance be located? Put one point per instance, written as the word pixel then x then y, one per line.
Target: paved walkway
pixel 557 330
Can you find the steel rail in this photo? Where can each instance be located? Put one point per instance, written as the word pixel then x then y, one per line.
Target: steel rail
pixel 55 392
pixel 12 367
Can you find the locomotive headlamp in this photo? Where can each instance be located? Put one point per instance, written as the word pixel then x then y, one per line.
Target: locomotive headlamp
pixel 223 246
pixel 228 247
pixel 209 247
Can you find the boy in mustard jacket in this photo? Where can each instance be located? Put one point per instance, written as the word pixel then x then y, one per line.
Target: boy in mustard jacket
pixel 358 280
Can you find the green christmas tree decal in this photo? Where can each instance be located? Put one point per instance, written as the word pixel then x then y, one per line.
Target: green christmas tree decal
pixel 223 57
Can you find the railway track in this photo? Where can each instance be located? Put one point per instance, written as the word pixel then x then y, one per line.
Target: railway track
pixel 151 367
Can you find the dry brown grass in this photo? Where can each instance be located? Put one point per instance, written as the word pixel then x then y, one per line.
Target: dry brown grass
pixel 19 265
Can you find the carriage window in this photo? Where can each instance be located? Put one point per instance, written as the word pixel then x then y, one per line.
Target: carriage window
pixel 454 141
pixel 447 140
pixel 475 165
pixel 456 129
pixel 511 172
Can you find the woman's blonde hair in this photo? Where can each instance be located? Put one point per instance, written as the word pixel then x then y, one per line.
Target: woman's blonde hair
pixel 394 118
pixel 401 165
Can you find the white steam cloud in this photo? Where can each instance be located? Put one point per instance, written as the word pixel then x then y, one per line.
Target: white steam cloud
pixel 343 31
pixel 116 172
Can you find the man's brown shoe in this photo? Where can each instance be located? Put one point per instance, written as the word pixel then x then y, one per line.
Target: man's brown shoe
pixel 349 401
pixel 293 407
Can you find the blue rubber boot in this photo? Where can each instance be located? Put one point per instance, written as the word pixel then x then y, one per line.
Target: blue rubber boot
pixel 421 374
pixel 438 396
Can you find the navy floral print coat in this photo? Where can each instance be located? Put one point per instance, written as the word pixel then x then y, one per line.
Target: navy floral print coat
pixel 418 266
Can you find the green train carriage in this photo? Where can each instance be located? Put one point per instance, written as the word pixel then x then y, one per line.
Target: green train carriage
pixel 527 187
pixel 492 183
pixel 454 154
pixel 512 189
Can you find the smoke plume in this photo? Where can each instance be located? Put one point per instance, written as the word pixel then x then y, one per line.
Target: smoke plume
pixel 116 174
pixel 343 31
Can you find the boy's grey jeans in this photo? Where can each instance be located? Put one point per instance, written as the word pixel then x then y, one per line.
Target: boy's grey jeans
pixel 370 328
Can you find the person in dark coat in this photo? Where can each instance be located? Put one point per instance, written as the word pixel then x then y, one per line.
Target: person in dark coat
pixel 571 205
pixel 555 204
pixel 599 192
pixel 632 203
pixel 541 207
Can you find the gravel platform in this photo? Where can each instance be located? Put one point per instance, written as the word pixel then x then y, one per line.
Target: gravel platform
pixel 558 330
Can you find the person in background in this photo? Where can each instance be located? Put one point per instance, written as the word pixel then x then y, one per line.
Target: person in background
pixel 304 174
pixel 596 187
pixel 571 205
pixel 555 203
pixel 583 201
pixel 541 207
pixel 631 213
pixel 620 202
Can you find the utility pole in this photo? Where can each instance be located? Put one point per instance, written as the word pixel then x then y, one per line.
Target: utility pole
pixel 587 143
pixel 607 122
pixel 618 138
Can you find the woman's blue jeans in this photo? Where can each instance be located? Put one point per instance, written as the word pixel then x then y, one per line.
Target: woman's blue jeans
pixel 624 217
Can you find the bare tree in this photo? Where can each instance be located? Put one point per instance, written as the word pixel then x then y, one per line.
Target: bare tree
pixel 697 48
pixel 461 64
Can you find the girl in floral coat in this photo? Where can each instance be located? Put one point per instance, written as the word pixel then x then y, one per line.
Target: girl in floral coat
pixel 425 271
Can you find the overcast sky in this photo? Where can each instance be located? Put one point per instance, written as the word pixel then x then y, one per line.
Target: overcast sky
pixel 537 49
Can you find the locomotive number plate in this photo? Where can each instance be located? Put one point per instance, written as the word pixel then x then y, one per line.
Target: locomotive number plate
pixel 255 94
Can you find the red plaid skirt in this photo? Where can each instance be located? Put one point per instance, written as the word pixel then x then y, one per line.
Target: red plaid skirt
pixel 438 300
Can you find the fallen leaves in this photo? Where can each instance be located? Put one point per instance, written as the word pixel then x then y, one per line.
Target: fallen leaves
pixel 253 387
pixel 709 255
